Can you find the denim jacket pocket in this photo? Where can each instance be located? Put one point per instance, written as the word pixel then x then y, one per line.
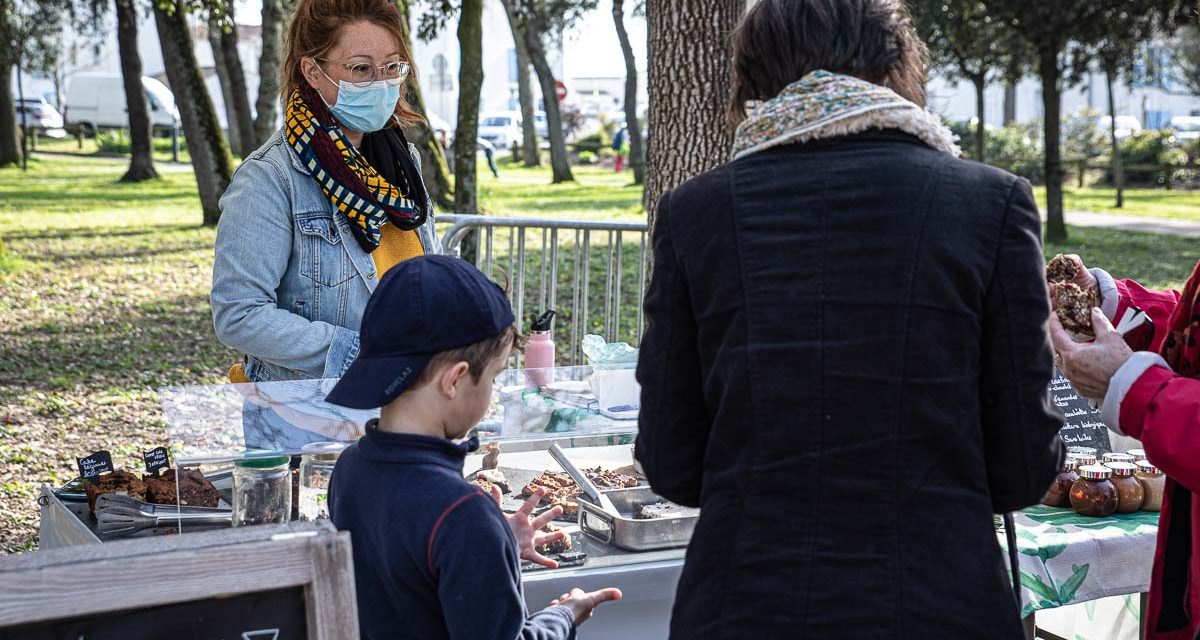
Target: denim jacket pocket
pixel 322 257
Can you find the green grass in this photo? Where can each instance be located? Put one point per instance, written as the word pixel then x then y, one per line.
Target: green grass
pixel 104 299
pixel 1147 203
pixel 70 145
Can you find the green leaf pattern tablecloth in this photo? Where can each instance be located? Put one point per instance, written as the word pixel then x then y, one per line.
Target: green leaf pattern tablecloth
pixel 1067 558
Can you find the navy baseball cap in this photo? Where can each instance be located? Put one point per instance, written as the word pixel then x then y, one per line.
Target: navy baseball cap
pixel 422 307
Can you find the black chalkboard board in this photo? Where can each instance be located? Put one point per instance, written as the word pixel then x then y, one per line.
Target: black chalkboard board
pixel 263 615
pixel 1083 427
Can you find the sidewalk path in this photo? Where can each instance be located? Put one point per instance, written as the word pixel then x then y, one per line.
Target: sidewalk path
pixel 1184 228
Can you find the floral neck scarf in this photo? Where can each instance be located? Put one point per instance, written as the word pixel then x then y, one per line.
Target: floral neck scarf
pixel 826 105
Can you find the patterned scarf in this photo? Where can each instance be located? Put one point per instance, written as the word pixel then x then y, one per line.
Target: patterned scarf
pixel 826 105
pixel 358 191
pixel 1182 346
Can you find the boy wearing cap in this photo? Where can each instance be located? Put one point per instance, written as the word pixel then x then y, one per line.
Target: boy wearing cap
pixel 433 556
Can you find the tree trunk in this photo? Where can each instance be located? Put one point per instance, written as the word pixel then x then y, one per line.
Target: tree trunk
pixel 434 171
pixel 233 80
pixel 1010 103
pixel 141 163
pixel 1117 165
pixel 266 106
pixel 470 84
pixel 10 153
pixel 980 83
pixel 560 164
pixel 1056 228
pixel 689 76
pixel 211 161
pixel 637 153
pixel 24 120
pixel 223 78
pixel 531 153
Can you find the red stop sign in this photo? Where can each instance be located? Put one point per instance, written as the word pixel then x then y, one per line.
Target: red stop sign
pixel 561 90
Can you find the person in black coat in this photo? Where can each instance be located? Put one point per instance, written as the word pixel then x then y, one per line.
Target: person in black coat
pixel 846 364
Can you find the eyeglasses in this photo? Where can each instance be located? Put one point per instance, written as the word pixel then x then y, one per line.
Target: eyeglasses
pixel 362 74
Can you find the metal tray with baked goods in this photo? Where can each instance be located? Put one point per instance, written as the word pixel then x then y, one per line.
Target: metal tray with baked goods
pixel 646 521
pixel 518 479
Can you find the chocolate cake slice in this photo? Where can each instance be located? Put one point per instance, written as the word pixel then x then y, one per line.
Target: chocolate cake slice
pixel 556 547
pixel 194 489
pixel 119 481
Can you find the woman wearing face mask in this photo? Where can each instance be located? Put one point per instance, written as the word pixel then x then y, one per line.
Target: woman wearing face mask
pixel 314 218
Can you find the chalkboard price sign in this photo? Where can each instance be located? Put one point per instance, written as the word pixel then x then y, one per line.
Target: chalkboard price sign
pixel 1083 427
pixel 94 465
pixel 156 459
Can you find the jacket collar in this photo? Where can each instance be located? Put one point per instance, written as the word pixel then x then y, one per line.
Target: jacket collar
pixel 406 448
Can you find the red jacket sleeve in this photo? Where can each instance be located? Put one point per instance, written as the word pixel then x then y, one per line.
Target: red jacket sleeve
pixel 1158 305
pixel 1163 411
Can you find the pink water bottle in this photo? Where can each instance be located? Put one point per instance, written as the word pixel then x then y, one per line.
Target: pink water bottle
pixel 539 352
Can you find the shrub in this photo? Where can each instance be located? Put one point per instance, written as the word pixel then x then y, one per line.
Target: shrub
pixel 117 141
pixel 593 143
pixel 1151 148
pixel 1082 135
pixel 1015 148
pixel 587 157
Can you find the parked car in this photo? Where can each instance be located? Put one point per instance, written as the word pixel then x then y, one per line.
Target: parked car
pixel 1126 125
pixel 98 102
pixel 1186 127
pixel 37 113
pixel 501 129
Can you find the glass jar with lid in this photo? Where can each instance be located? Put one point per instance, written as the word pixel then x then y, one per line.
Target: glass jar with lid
pixel 1118 457
pixel 1130 492
pixel 1138 455
pixel 262 491
pixel 1081 459
pixel 1059 494
pixel 316 470
pixel 1094 494
pixel 1154 483
pixel 1088 451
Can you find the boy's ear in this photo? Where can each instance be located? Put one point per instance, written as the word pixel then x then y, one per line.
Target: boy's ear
pixel 452 375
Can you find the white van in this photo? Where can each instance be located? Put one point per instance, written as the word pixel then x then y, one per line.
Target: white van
pixel 98 102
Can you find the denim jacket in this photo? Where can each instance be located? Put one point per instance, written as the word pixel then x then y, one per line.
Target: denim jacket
pixel 290 282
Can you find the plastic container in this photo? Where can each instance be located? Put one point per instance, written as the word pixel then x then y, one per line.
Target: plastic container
pixel 1059 494
pixel 262 491
pixel 1130 492
pixel 316 471
pixel 539 351
pixel 1154 483
pixel 1094 494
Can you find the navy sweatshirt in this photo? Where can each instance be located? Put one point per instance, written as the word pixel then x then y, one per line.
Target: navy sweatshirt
pixel 433 556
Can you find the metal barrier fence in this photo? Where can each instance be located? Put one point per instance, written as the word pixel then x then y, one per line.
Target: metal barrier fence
pixel 563 259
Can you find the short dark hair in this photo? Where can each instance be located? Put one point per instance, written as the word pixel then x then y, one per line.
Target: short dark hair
pixel 780 41
pixel 477 355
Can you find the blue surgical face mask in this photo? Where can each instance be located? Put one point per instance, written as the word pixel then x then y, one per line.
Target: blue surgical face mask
pixel 364 109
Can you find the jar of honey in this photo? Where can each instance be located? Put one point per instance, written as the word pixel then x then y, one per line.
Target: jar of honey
pixel 1059 493
pixel 1094 494
pixel 1154 483
pixel 1130 492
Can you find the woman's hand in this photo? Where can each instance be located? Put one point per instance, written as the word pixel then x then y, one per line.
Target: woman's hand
pixel 1090 366
pixel 528 530
pixel 582 603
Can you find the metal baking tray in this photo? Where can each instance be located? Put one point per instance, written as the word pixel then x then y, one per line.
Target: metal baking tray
pixel 626 532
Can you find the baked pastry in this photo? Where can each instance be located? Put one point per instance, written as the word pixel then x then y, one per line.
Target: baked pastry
pixel 496 477
pixel 1061 269
pixel 194 489
pixel 610 479
pixel 1074 307
pixel 483 485
pixel 663 509
pixel 556 547
pixel 491 456
pixel 119 481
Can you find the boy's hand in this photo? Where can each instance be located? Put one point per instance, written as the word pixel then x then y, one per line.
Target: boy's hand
pixel 528 529
pixel 582 603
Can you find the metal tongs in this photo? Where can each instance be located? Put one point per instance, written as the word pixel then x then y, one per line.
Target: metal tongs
pixel 120 515
pixel 580 478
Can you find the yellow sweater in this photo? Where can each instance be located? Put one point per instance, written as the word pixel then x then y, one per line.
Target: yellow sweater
pixel 396 246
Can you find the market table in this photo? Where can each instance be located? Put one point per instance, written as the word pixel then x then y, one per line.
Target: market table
pixel 1066 558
